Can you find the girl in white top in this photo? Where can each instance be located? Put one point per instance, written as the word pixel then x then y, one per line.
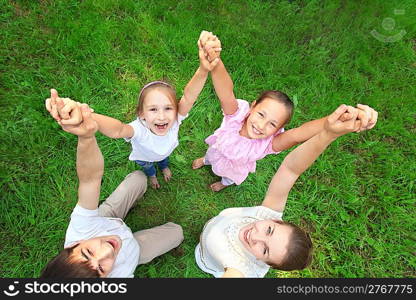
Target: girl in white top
pixel 246 242
pixel 154 134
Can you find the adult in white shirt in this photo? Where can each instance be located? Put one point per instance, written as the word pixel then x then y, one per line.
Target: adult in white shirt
pixel 98 243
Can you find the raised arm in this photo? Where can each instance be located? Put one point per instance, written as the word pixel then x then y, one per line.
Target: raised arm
pixel 300 159
pixel 113 128
pixel 222 81
pixel 366 115
pixel 90 166
pixel 224 88
pixel 295 136
pixel 197 82
pixel 90 162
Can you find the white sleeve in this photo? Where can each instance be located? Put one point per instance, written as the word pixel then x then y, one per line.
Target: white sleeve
pixel 138 129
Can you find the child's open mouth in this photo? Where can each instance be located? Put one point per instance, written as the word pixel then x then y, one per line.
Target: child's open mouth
pixel 256 131
pixel 162 126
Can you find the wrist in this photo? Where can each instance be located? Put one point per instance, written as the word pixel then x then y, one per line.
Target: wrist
pixel 328 136
pixel 86 139
pixel 203 71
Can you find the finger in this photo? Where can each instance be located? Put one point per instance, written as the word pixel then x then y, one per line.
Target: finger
pixel 215 62
pixel 74 114
pixel 337 113
pixel 86 112
pixel 48 104
pixel 358 126
pixel 373 121
pixel 54 110
pixel 345 117
pixel 351 123
pixel 362 115
pixel 66 108
pixel 60 105
pixel 54 94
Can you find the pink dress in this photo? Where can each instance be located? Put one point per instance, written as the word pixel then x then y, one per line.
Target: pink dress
pixel 232 155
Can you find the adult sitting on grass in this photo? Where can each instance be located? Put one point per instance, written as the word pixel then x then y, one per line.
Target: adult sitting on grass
pixel 247 241
pixel 98 243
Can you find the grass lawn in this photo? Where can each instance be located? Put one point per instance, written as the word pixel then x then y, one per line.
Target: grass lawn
pixel 357 201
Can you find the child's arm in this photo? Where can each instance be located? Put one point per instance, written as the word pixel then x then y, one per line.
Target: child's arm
pixel 69 115
pixel 222 81
pixel 197 82
pixel 366 115
pixel 192 91
pixel 113 128
pixel 295 136
pixel 300 159
pixel 224 86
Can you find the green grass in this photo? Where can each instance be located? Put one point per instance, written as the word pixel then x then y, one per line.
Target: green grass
pixel 358 199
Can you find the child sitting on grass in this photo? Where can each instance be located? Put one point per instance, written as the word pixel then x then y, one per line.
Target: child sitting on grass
pixel 249 132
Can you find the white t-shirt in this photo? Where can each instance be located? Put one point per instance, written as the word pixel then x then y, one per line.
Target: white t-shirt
pixel 220 247
pixel 86 224
pixel 150 147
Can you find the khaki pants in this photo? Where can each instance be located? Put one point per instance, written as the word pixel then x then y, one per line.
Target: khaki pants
pixel 154 241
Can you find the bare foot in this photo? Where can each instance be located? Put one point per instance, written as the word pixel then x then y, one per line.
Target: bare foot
pixel 167 174
pixel 217 186
pixel 153 182
pixel 199 162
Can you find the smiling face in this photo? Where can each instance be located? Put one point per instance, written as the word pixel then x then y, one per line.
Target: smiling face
pixel 265 119
pixel 158 112
pixel 267 240
pixel 100 253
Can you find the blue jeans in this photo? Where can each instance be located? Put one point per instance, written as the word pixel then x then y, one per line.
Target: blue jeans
pixel 149 168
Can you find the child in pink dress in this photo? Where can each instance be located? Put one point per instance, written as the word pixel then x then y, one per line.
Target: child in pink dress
pixel 250 132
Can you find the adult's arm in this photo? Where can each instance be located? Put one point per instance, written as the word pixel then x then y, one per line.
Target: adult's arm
pixel 300 159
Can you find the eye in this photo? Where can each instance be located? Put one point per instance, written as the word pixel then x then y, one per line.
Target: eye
pixel 274 125
pixel 101 269
pixel 269 230
pixel 89 252
pixel 261 114
pixel 153 109
pixel 265 251
pixel 169 108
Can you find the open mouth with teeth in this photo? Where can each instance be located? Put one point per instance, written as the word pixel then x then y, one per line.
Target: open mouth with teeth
pixel 246 236
pixel 258 132
pixel 162 126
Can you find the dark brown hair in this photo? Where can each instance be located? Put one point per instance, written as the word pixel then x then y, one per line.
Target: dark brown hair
pixel 61 266
pixel 299 250
pixel 160 85
pixel 281 98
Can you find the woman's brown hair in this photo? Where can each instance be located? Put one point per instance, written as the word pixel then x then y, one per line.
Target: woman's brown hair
pixel 299 250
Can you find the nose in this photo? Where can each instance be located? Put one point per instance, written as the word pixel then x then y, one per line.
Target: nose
pixel 261 124
pixel 256 236
pixel 94 262
pixel 161 114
